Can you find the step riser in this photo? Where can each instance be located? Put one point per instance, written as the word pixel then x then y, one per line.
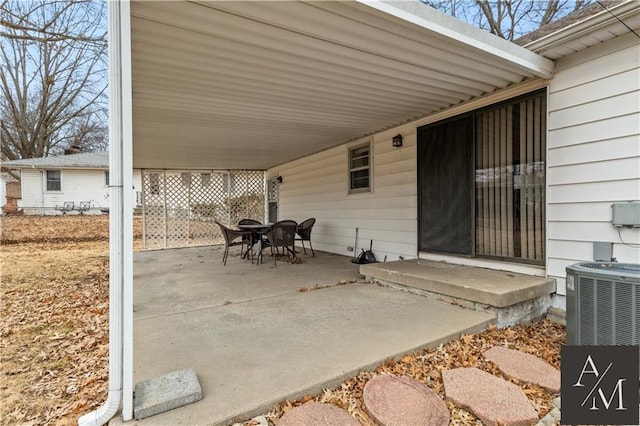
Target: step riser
pixel 522 312
pixel 512 298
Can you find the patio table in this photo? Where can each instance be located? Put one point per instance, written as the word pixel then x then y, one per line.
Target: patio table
pixel 256 233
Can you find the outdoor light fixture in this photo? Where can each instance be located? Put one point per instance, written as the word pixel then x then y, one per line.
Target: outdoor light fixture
pixel 397 141
pixel 279 179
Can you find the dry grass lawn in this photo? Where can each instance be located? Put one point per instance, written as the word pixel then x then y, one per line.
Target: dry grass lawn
pixel 54 306
pixel 54 331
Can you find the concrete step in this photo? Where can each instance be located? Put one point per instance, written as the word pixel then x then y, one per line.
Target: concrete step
pixel 557 315
pixel 512 297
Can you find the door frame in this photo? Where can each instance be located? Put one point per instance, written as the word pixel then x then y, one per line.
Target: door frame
pixel 472 169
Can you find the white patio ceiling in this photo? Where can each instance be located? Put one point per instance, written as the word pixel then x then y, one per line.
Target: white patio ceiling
pixel 250 85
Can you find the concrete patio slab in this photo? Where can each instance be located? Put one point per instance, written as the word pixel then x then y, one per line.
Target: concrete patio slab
pixel 258 334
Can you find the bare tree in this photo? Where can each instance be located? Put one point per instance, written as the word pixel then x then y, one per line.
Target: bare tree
pixel 508 19
pixel 53 76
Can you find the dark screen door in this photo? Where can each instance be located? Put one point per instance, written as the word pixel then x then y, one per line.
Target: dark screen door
pixel 445 176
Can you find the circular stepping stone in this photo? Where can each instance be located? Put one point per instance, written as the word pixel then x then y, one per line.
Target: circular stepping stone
pixel 525 367
pixel 317 414
pixel 392 400
pixel 492 399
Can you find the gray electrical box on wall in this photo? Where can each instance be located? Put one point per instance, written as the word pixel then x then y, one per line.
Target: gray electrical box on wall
pixel 626 214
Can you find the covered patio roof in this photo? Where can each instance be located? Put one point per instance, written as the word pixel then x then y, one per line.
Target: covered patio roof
pixel 250 85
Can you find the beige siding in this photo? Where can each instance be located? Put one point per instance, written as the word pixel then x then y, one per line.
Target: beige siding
pixel 317 186
pixel 593 153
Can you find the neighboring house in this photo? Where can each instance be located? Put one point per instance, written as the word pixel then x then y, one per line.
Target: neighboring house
pixel 49 182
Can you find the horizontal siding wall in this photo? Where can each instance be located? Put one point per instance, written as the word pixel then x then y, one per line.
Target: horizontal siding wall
pixel 593 153
pixel 317 186
pixel 31 184
pixel 77 185
pixel 81 185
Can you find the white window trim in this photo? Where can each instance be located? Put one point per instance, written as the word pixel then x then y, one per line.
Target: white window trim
pixel 351 147
pixel 46 181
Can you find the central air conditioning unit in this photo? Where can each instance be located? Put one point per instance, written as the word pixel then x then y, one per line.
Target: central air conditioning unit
pixel 603 304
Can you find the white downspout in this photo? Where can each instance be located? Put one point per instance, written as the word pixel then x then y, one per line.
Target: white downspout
pixel 127 201
pixel 116 253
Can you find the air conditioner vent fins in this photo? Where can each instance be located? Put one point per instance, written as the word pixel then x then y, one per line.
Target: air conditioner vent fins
pixel 603 304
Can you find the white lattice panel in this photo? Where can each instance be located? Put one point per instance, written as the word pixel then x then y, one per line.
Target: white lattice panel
pixel 180 207
pixel 154 217
pixel 203 208
pixel 246 200
pixel 178 186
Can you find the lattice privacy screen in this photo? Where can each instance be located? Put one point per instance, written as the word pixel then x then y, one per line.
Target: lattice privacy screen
pixel 180 207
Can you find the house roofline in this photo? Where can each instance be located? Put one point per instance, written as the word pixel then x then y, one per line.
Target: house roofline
pixel 586 26
pixel 53 167
pixel 451 28
pixel 86 160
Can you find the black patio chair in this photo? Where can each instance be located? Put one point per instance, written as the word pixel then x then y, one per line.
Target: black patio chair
pixel 280 234
pixel 234 237
pixel 304 233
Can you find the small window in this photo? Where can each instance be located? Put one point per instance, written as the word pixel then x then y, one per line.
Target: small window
pixel 359 168
pixel 272 190
pixel 54 180
pixel 106 178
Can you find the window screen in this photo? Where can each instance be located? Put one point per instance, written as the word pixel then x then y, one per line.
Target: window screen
pixel 359 168
pixel 54 180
